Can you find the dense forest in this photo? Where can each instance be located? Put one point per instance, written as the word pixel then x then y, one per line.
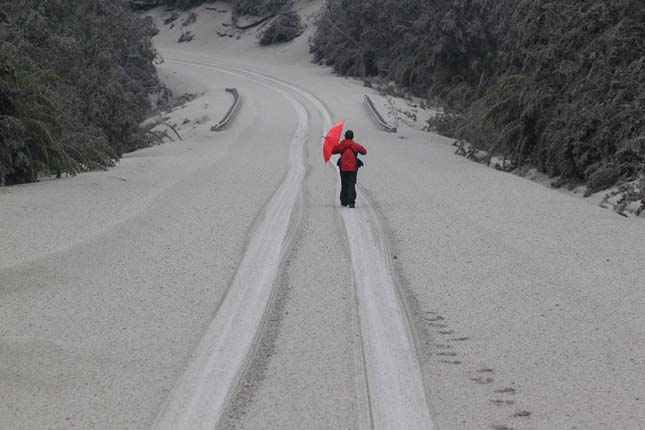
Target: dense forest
pixel 554 84
pixel 75 80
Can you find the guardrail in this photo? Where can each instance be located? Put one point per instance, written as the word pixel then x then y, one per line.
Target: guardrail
pixel 378 117
pixel 231 111
pixel 254 23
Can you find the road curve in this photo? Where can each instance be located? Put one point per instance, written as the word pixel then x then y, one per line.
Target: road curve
pixel 395 385
pixel 200 395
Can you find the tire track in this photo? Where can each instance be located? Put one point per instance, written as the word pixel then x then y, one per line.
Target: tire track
pixel 200 395
pixel 395 386
pixel 396 390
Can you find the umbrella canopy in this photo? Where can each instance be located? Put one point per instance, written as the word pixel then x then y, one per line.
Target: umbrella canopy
pixel 332 139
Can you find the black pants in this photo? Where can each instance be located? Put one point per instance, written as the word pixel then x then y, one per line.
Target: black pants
pixel 348 188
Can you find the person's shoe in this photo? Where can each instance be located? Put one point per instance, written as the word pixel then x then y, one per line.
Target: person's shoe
pixel 352 205
pixel 343 204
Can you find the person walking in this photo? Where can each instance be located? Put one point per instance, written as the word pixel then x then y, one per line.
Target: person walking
pixel 348 165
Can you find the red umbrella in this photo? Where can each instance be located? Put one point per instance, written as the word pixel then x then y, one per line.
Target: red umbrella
pixel 332 139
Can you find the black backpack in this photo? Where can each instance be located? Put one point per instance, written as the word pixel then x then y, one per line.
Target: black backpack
pixel 359 162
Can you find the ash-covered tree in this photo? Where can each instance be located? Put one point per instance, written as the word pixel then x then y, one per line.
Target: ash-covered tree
pixel 74 84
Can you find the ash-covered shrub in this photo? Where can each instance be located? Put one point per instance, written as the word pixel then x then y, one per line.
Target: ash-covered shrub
pixel 602 179
pixel 190 19
pixel 186 36
pixel 171 18
pixel 445 124
pixel 284 28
